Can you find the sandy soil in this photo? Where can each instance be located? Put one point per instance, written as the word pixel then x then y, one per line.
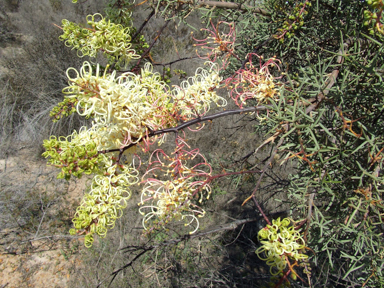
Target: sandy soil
pixel 42 255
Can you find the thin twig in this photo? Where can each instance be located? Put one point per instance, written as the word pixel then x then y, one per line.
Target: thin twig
pixel 41 221
pixel 153 43
pixel 260 210
pixel 114 274
pixel 309 216
pixel 143 25
pixel 264 170
pixel 231 5
pixel 175 61
pixel 237 237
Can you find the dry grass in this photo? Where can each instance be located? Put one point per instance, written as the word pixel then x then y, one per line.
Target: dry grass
pixel 32 88
pixel 34 71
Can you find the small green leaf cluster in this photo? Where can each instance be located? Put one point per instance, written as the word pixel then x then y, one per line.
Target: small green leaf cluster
pixel 112 39
pixel 167 75
pixel 72 156
pixel 280 241
pixel 141 44
pixel 119 12
pixel 294 21
pixel 100 208
pixel 63 109
pixel 181 73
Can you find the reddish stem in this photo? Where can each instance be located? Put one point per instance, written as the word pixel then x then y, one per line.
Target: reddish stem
pixel 261 210
pixel 283 278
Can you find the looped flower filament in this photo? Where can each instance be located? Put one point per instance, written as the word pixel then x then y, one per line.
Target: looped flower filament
pixel 279 241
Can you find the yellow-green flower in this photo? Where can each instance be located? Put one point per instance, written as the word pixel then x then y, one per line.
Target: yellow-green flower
pixel 279 242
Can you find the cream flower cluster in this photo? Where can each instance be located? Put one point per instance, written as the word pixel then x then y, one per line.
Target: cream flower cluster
pixel 100 208
pixel 171 200
pixel 163 200
pixel 279 242
pixel 197 93
pixel 259 86
pixel 262 88
pixel 123 107
pixel 77 154
pixel 112 39
pixel 127 107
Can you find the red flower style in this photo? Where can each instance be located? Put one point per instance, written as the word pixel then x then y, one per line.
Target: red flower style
pixel 218 44
pixel 254 82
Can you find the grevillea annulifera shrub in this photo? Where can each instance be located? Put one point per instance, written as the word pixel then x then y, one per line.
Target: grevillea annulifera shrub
pixel 310 71
pixel 125 110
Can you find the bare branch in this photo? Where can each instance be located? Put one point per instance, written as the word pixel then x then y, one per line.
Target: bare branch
pixel 332 78
pixel 146 52
pixel 261 177
pixel 192 122
pixel 175 61
pixel 231 5
pixel 143 25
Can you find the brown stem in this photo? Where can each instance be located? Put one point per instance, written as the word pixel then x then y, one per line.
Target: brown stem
pixel 283 278
pixel 57 26
pixel 143 25
pixel 175 61
pixel 309 216
pixel 151 46
pixel 331 79
pixel 231 5
pixel 261 210
pixel 190 123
